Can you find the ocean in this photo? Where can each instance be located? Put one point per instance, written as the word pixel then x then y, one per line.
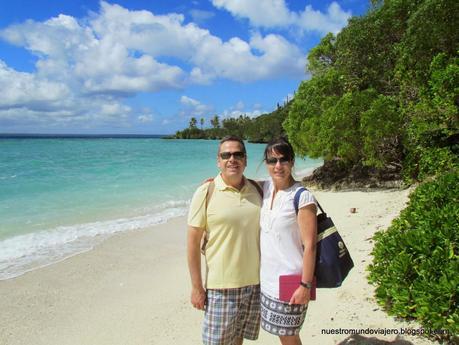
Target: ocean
pixel 63 196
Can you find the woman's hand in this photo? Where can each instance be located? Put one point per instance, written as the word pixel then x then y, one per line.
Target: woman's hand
pixel 300 296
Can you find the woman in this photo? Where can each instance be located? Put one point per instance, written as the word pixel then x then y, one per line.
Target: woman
pixel 288 244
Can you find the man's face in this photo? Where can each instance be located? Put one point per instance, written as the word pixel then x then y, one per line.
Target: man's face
pixel 234 165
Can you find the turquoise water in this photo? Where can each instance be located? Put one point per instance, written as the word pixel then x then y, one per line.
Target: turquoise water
pixel 61 196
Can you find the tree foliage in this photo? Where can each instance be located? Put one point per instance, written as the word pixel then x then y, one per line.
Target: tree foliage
pixel 384 92
pixel 215 122
pixel 260 129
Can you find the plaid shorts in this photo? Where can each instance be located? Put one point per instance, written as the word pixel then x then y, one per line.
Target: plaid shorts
pixel 231 314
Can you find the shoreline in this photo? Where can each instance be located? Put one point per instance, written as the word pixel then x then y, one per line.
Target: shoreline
pixel 30 251
pixel 134 288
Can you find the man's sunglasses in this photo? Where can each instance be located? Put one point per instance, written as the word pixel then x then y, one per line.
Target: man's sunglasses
pixel 239 155
pixel 273 161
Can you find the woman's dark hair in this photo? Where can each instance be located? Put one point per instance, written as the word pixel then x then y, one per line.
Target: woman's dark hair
pixel 280 146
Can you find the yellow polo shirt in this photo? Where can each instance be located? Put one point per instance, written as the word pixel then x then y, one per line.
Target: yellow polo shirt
pixel 232 222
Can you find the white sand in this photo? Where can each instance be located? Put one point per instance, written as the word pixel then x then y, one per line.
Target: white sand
pixel 134 288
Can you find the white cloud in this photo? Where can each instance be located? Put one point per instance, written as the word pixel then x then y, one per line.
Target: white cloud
pixel 87 67
pixel 35 100
pixel 200 16
pixel 288 98
pixel 332 21
pixel 145 118
pixel 237 59
pixel 236 113
pixel 193 107
pixel 265 13
pixel 239 105
pixel 74 113
pixel 240 109
pixel 198 76
pixel 28 90
pixel 117 50
pixel 274 13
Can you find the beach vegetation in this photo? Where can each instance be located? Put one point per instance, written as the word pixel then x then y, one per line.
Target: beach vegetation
pixel 215 122
pixel 193 122
pixel 416 260
pixel 259 129
pixel 383 94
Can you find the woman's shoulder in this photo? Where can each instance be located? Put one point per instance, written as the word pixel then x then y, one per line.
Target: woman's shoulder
pixel 301 192
pixel 266 184
pixel 296 187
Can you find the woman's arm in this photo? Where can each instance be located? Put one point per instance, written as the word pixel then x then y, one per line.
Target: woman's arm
pixel 307 222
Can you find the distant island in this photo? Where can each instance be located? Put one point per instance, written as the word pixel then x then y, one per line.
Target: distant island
pixel 260 129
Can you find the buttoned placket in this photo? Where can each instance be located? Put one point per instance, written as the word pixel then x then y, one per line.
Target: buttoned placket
pixel 278 204
pixel 278 201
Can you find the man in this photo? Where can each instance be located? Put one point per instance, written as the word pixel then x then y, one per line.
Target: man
pixel 229 217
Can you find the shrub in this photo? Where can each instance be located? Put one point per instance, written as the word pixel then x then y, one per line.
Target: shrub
pixel 416 261
pixel 429 161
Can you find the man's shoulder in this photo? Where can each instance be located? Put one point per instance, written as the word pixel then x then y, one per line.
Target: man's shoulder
pixel 254 186
pixel 204 186
pixel 200 192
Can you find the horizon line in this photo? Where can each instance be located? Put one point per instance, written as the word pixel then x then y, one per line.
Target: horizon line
pixel 80 135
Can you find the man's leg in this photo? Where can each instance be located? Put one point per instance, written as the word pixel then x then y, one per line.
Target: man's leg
pixel 249 313
pixel 239 341
pixel 220 318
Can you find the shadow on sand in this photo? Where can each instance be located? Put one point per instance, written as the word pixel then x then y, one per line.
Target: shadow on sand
pixel 360 340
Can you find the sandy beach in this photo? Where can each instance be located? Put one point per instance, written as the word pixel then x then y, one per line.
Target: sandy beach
pixel 133 289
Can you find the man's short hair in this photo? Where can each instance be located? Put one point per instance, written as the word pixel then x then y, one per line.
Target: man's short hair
pixel 232 138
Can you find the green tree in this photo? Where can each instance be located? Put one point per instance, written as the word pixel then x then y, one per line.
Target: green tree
pixel 266 127
pixel 384 90
pixel 193 122
pixel 215 122
pixel 432 29
pixel 322 56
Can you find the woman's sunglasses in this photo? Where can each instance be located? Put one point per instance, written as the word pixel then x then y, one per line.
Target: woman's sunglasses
pixel 273 161
pixel 237 155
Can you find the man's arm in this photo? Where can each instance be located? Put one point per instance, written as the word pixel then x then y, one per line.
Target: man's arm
pixel 198 294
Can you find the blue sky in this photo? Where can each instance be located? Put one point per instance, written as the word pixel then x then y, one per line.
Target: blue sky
pixel 147 67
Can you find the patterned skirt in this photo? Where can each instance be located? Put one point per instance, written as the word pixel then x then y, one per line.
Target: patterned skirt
pixel 280 318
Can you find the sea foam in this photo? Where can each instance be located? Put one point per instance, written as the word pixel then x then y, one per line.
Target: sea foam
pixel 24 253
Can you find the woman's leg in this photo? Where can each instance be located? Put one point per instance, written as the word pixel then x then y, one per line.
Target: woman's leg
pixel 290 340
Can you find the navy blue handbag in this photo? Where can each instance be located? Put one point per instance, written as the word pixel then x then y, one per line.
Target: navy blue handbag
pixel 333 261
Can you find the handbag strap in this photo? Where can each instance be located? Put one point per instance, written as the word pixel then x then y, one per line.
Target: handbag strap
pixel 296 201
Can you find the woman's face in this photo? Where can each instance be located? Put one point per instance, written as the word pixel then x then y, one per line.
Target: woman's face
pixel 279 167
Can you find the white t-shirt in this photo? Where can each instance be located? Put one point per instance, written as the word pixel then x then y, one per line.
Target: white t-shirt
pixel 280 239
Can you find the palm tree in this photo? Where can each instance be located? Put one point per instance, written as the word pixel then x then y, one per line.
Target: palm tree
pixel 193 122
pixel 215 122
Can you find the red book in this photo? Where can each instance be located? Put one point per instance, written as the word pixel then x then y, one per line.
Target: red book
pixel 289 283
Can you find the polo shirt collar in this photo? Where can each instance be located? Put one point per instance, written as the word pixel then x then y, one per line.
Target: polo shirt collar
pixel 221 185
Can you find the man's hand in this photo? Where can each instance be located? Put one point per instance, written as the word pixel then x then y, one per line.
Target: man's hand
pixel 198 294
pixel 198 298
